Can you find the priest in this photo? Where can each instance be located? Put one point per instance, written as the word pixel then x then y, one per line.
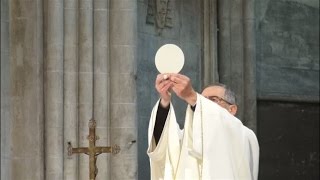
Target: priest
pixel 214 144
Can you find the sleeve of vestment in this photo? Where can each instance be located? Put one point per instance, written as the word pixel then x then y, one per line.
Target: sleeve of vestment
pixel 161 117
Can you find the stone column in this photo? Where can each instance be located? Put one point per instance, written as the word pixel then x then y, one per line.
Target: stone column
pixel 26 92
pixel 234 66
pixel 54 147
pixel 224 45
pixel 237 70
pixel 5 123
pixel 85 79
pixel 123 39
pixel 237 55
pixel 210 40
pixel 70 87
pixel 250 94
pixel 101 81
pixel 231 63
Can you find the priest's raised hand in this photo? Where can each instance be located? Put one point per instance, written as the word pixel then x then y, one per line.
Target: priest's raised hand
pixel 163 85
pixel 179 84
pixel 183 88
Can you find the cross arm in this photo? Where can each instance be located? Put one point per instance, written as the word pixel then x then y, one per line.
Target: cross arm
pixel 114 149
pixel 78 150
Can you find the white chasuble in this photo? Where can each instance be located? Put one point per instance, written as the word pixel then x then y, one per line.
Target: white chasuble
pixel 214 145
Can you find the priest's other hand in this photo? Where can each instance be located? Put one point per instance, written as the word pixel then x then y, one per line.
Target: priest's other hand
pixel 163 86
pixel 183 88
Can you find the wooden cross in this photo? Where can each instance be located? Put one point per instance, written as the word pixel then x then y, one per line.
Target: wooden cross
pixel 93 151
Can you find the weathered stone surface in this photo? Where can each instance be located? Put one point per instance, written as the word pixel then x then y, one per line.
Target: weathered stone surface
pixel 53 90
pixel 123 58
pixel 5 123
pixel 124 164
pixel 288 49
pixel 101 82
pixel 70 87
pixel 21 91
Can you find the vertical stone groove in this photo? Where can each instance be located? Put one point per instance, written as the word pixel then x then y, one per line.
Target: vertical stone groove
pixel 5 69
pixel 101 80
pixel 54 91
pixel 70 87
pixel 224 40
pixel 250 94
pixel 85 27
pixel 210 40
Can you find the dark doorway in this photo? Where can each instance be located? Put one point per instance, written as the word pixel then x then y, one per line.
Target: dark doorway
pixel 288 135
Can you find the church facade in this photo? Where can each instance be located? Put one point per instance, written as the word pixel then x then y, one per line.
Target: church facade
pixel 65 62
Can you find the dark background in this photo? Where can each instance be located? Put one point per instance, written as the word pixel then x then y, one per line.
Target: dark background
pixel 288 134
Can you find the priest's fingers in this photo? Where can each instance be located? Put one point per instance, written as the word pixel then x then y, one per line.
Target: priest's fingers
pixel 164 93
pixel 177 89
pixel 179 79
pixel 181 83
pixel 186 93
pixel 165 85
pixel 162 77
pixel 180 76
pixel 161 83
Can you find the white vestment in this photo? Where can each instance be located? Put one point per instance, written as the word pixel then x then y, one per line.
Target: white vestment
pixel 214 145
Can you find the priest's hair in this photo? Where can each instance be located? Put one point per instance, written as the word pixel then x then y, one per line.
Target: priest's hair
pixel 229 95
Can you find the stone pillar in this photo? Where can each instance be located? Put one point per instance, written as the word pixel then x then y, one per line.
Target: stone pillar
pixel 101 81
pixel 236 66
pixel 210 40
pixel 5 124
pixel 123 55
pixel 224 45
pixel 237 55
pixel 85 79
pixel 21 90
pixel 250 94
pixel 54 147
pixel 231 48
pixel 70 87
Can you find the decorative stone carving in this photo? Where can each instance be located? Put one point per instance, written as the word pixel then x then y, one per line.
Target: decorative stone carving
pixel 159 14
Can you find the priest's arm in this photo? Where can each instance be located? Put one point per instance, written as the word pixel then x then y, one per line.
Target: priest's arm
pixel 161 117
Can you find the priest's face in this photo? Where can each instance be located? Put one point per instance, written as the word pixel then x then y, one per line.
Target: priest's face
pixel 216 94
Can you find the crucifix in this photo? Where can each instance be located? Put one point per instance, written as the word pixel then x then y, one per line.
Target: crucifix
pixel 93 151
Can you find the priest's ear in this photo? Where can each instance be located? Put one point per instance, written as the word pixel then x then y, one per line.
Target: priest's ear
pixel 233 109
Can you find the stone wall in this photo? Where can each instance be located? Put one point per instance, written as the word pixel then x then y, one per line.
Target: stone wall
pixel 123 73
pixel 288 88
pixel 288 49
pixel 22 90
pixel 63 63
